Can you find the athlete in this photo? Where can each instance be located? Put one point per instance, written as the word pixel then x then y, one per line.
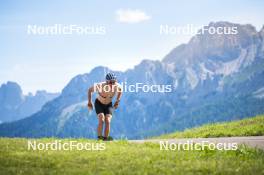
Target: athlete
pixel 103 103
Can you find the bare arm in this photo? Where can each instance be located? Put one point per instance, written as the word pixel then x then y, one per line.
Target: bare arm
pixel 119 94
pixel 90 91
pixel 90 104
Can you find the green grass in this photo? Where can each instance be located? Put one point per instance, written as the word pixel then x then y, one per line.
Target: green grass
pixel 247 127
pixel 121 157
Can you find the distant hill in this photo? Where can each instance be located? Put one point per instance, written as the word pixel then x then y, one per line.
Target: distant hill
pixel 247 127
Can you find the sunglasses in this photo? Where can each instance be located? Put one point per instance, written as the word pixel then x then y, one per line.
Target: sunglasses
pixel 111 82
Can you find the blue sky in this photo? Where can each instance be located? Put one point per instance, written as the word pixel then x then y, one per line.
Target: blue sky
pixel 49 62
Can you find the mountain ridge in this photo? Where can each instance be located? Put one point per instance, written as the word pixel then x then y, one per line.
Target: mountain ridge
pixel 15 105
pixel 212 81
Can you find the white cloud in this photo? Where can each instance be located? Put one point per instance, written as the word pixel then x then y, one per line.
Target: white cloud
pixel 131 16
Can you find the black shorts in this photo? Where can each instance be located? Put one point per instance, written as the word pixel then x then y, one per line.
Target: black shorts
pixel 102 108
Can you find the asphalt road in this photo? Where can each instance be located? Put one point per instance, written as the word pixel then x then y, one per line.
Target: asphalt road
pixel 251 141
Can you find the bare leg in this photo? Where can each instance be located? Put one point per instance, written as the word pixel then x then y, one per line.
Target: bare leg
pixel 107 124
pixel 101 118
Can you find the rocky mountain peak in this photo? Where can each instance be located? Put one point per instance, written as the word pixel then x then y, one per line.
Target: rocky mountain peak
pixel 219 47
pixel 11 94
